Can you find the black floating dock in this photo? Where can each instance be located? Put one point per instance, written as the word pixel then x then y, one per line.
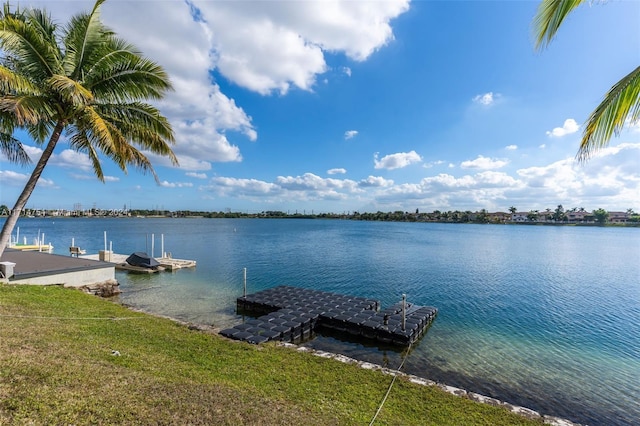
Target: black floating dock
pixel 292 314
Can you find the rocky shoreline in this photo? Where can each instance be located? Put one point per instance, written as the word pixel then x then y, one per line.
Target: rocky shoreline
pixel 462 393
pixel 523 411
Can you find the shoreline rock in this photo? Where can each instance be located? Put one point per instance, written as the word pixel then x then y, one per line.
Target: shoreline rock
pixel 104 289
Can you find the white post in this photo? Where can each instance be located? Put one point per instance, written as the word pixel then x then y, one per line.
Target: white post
pixel 245 283
pixel 404 311
pixel 153 236
pixel 162 245
pixel 73 242
pixel 105 241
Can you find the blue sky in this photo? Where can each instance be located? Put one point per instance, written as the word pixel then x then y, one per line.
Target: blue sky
pixel 341 106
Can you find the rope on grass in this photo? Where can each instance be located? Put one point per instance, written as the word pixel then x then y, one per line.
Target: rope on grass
pixel 395 376
pixel 73 318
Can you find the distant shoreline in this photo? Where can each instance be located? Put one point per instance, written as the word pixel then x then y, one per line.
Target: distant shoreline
pixel 341 217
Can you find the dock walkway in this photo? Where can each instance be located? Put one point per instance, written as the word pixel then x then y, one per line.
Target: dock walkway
pixel 292 314
pixel 167 263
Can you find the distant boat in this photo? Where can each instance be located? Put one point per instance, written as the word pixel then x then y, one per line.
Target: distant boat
pixel 140 262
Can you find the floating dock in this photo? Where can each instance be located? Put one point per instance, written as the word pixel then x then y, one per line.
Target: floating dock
pixel 120 261
pixel 171 264
pixel 292 314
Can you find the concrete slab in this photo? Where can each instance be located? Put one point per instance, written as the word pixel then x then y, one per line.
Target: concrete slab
pixel 44 268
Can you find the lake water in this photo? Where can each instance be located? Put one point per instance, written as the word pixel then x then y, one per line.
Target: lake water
pixel 540 316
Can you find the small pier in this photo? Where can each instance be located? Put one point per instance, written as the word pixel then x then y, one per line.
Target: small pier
pixel 120 261
pixel 292 314
pixel 171 264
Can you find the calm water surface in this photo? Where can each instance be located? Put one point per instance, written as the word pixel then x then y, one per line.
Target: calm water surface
pixel 544 317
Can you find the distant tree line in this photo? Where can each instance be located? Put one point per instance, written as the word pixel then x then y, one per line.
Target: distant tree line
pixel 548 216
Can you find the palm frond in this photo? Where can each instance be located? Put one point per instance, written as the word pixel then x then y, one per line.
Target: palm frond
pixel 13 150
pixel 80 142
pixel 84 34
pixel 71 91
pixel 549 17
pixel 11 147
pixel 620 104
pixel 94 83
pixel 27 110
pixel 124 76
pixel 13 83
pixel 41 131
pixel 28 40
pixel 143 125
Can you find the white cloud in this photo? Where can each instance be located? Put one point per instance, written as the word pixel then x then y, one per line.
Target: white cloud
pixel 196 175
pixel 307 187
pixel 570 126
pixel 347 71
pixel 608 180
pixel 269 47
pixel 485 99
pixel 11 178
pixel 78 176
pixel 375 181
pixel 483 163
pixel 309 181
pixel 224 186
pixel 167 184
pixel 350 134
pixel 71 159
pixel 511 147
pixel 33 152
pixel 396 161
pixel 339 171
pixel 274 46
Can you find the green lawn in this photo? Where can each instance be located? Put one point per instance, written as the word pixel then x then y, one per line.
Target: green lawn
pixel 57 367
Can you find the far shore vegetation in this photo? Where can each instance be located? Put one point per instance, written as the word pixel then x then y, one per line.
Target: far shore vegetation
pixel 558 216
pixel 67 357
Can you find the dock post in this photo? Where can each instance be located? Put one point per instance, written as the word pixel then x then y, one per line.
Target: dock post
pixel 404 311
pixel 152 243
pixel 245 283
pixel 162 245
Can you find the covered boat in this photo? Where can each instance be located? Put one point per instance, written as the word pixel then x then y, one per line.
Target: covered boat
pixel 140 262
pixel 142 259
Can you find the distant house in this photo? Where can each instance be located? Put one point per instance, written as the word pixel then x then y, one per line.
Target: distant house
pixel 498 217
pixel 578 216
pixel 519 217
pixel 618 217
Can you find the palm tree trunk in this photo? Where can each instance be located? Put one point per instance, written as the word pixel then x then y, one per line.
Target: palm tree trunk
pixel 11 221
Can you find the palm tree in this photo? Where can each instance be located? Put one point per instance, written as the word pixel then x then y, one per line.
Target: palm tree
pixel 620 104
pixel 82 80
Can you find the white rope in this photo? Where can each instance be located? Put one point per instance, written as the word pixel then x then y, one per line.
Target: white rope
pixel 395 376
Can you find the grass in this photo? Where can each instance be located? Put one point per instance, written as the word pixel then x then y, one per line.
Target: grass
pixel 57 367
